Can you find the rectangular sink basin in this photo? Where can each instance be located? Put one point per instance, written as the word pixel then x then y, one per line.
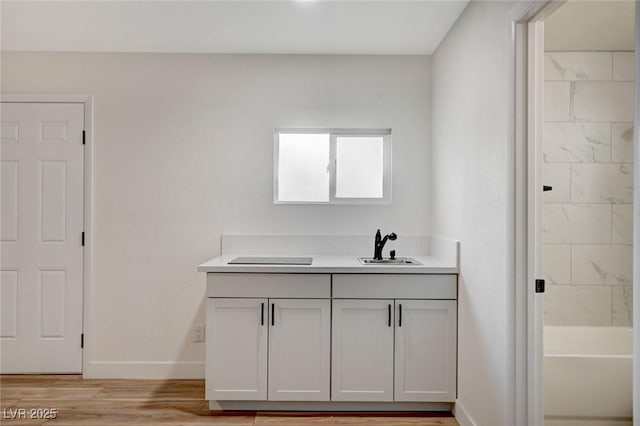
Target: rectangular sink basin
pixel 275 260
pixel 396 261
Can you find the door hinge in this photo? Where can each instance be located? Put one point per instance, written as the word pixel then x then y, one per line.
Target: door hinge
pixel 539 286
pixel 84 137
pixel 82 341
pixel 82 238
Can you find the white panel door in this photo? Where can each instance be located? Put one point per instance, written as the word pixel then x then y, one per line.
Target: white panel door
pixel 236 365
pixel 40 232
pixel 299 349
pixel 362 350
pixel 425 365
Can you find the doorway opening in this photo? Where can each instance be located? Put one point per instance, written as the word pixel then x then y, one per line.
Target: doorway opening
pixel 587 146
pixel 574 110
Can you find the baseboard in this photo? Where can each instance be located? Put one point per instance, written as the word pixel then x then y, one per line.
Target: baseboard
pixel 328 406
pixel 462 416
pixel 144 370
pixel 585 421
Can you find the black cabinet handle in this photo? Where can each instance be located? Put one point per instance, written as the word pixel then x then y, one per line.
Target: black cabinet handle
pixel 389 320
pixel 273 314
pixel 400 315
pixel 262 314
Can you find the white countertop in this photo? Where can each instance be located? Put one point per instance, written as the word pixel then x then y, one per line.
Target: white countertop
pixel 348 264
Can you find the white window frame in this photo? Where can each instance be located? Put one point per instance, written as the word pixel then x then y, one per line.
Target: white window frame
pixel 333 136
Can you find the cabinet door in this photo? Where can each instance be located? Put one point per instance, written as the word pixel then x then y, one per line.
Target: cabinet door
pixel 299 349
pixel 236 366
pixel 362 350
pixel 425 364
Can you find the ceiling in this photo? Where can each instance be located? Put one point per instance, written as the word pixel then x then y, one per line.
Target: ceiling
pixel 352 27
pixel 591 25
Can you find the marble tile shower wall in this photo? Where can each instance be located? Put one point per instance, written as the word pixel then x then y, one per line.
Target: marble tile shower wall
pixel 588 156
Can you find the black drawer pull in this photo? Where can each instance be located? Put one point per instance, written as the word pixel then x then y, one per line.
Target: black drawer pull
pixel 273 314
pixel 400 315
pixel 262 314
pixel 389 320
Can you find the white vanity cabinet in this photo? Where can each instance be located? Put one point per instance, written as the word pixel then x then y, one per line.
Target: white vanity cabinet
pixel 273 347
pixel 394 338
pixel 345 341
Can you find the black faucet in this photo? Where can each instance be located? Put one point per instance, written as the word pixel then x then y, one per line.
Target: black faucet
pixel 380 242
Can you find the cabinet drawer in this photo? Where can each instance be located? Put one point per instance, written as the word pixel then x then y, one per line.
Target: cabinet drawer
pixel 394 286
pixel 308 286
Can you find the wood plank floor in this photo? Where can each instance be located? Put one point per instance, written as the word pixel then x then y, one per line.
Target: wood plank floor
pixel 159 402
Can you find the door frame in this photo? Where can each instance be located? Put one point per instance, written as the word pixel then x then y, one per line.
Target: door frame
pixel 526 59
pixel 636 227
pixel 87 250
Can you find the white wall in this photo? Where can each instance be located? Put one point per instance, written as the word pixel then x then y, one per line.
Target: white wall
pixel 591 25
pixel 183 152
pixel 469 199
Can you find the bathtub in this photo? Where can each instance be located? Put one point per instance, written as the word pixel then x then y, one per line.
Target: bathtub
pixel 588 372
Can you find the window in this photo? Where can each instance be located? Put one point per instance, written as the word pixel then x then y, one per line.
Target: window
pixel 332 166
